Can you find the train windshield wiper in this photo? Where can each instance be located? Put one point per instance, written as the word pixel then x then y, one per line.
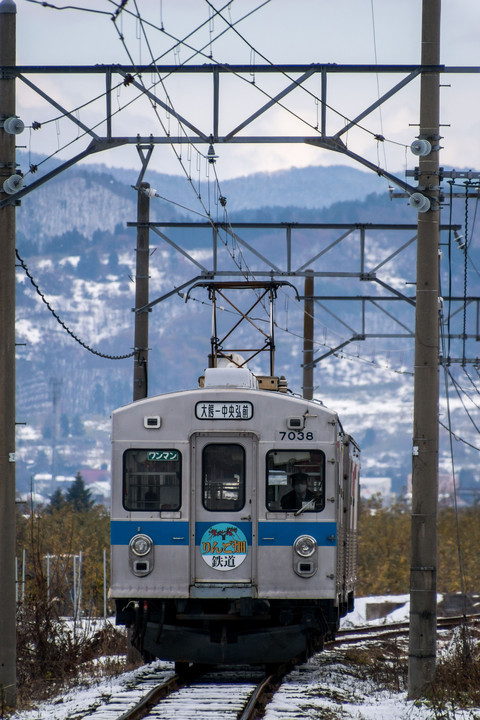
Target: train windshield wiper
pixel 307 505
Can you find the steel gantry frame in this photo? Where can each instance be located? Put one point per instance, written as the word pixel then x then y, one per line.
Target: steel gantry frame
pixel 296 76
pixel 10 74
pixel 131 75
pixel 292 267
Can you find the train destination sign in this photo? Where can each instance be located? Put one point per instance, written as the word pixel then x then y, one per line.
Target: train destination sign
pixel 224 546
pixel 223 410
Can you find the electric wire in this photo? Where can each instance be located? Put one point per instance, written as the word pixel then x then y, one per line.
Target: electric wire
pixel 378 86
pixel 340 354
pixel 174 202
pixel 449 313
pixel 465 275
pixel 60 321
pixel 232 26
pixel 155 109
pixel 206 210
pixel 179 159
pixel 455 499
pixel 376 136
pixel 68 7
pixel 457 437
pixel 239 75
pixel 457 390
pixel 36 125
pixel 472 381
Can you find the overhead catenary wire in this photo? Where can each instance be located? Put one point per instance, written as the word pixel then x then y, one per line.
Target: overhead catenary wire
pixel 459 395
pixel 69 7
pixel 231 25
pixel 374 34
pixel 241 264
pixel 118 86
pixel 207 209
pixel 458 438
pixel 375 135
pixel 317 343
pixel 472 381
pixel 455 498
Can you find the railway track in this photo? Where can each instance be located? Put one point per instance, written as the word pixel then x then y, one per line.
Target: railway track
pixel 230 694
pixel 390 630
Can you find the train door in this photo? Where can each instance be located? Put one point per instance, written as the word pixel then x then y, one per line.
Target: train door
pixel 224 507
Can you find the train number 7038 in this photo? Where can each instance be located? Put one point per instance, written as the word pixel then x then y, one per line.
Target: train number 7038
pixel 295 435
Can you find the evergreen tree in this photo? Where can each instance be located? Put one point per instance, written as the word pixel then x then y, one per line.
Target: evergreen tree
pixel 78 496
pixel 57 501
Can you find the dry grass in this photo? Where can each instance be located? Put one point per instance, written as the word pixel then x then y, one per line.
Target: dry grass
pixel 54 655
pixel 457 682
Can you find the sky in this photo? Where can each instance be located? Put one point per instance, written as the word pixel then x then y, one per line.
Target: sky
pixel 273 32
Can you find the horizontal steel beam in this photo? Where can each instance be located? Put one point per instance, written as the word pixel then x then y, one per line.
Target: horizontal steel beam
pixel 240 69
pixel 293 225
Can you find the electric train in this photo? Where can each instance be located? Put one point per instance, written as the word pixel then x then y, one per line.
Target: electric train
pixel 233 521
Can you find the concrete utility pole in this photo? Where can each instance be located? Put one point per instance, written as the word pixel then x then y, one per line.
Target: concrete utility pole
pixel 140 368
pixel 140 358
pixel 308 336
pixel 7 365
pixel 423 571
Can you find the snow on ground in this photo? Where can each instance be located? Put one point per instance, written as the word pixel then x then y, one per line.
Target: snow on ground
pixel 322 688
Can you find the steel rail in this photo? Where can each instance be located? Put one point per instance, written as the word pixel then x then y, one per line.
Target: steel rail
pixel 153 697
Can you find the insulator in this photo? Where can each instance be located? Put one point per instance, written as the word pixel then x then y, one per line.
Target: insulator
pixel 13 184
pixel 419 202
pixel 421 147
pixel 13 126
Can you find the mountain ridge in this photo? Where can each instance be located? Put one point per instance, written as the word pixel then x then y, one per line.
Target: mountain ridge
pixel 74 238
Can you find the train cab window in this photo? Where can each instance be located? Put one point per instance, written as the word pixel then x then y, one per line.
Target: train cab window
pixel 223 477
pixel 151 479
pixel 295 480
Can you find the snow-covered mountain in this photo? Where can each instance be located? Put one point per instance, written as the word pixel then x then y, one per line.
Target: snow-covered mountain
pixel 73 238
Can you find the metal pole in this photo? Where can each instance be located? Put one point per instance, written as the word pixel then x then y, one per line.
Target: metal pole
pixel 7 363
pixel 423 572
pixel 140 368
pixel 308 336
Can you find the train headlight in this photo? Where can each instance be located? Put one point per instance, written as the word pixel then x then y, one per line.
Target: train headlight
pixel 305 546
pixel 141 545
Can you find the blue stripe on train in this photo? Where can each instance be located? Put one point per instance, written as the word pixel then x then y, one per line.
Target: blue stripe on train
pixel 285 533
pixel 270 533
pixel 162 532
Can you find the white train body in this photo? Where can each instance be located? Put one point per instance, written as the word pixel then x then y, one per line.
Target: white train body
pixel 215 556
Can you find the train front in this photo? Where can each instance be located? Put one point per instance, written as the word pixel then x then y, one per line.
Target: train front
pixel 233 522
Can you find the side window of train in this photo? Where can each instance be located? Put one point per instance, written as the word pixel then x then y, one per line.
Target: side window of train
pixel 223 477
pixel 295 479
pixel 152 479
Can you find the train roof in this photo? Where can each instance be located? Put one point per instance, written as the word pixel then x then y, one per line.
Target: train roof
pixel 235 381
